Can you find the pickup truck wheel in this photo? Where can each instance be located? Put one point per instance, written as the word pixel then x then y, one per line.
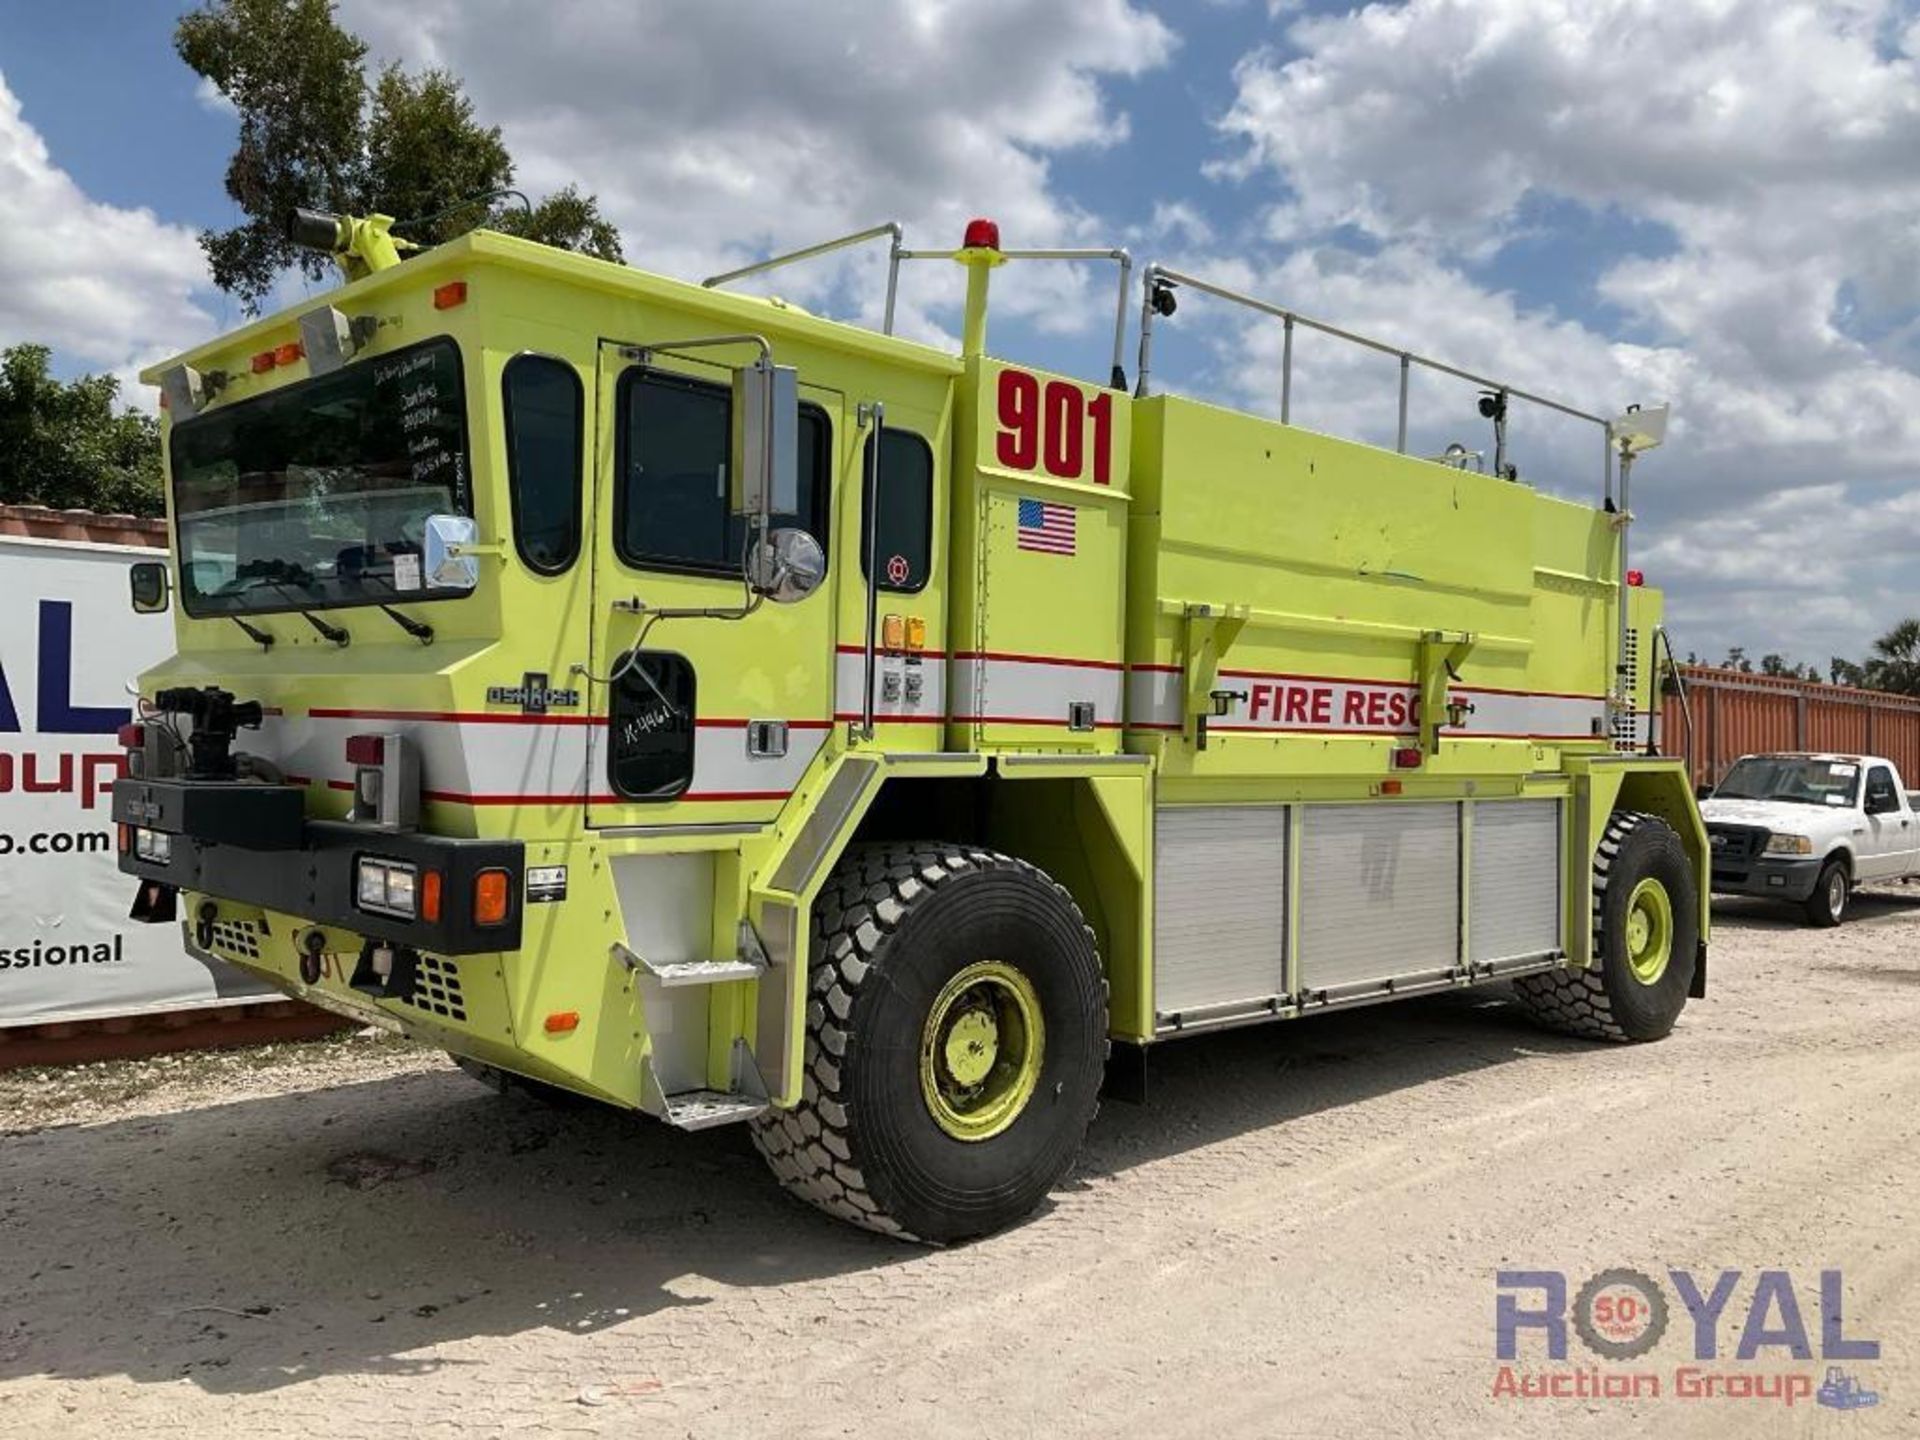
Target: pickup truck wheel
pixel 1827 906
pixel 1646 931
pixel 956 1043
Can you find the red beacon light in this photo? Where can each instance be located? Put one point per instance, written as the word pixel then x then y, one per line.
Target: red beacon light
pixel 1636 578
pixel 981 235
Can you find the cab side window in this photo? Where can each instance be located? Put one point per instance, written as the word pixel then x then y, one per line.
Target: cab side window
pixel 673 505
pixel 1881 794
pixel 544 406
pixel 903 520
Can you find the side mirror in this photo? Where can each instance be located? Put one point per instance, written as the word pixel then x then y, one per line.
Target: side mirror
pixel 445 566
pixel 786 567
pixel 1703 792
pixel 149 587
pixel 766 439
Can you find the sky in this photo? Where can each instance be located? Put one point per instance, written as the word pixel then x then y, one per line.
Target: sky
pixel 1712 203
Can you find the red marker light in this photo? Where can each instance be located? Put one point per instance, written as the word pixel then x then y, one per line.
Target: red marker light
pixel 287 354
pixel 1636 578
pixel 366 749
pixel 453 293
pixel 263 362
pixel 562 1022
pixel 1407 757
pixel 132 736
pixel 981 235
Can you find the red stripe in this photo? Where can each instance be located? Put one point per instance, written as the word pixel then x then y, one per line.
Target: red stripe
pixel 1028 720
pixel 1037 659
pixel 483 717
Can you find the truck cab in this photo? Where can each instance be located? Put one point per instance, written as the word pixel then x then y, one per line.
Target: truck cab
pixel 1808 828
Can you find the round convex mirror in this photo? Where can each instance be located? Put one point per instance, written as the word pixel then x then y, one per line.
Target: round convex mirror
pixel 788 566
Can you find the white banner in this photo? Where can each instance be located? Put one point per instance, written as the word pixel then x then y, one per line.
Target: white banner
pixel 69 644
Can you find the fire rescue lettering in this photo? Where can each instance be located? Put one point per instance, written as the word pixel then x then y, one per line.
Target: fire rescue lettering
pixel 1345 707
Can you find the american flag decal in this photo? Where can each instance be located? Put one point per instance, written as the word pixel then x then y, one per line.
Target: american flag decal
pixel 1046 527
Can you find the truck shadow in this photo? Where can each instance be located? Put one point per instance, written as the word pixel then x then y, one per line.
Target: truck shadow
pixel 261 1243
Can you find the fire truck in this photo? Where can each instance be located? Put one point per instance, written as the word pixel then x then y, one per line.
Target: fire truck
pixel 656 692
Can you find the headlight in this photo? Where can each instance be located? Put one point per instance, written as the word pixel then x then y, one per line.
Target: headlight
pixel 153 845
pixel 386 887
pixel 1789 845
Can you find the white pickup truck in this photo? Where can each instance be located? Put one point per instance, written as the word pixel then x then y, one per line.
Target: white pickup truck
pixel 1808 828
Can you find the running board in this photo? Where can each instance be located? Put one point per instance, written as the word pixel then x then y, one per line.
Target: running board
pixel 706 1109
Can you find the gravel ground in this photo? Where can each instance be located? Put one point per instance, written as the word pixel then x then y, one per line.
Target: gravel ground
pixel 1297 1235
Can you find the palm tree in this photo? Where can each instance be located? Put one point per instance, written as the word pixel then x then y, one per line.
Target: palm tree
pixel 1894 664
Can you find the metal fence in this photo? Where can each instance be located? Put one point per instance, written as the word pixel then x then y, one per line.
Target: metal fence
pixel 1735 714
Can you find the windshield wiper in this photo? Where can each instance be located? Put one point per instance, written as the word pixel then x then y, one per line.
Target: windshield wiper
pixel 254 633
pixel 334 633
pixel 418 629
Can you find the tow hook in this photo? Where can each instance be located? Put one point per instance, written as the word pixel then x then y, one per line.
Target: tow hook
pixel 313 946
pixel 204 917
pixel 386 971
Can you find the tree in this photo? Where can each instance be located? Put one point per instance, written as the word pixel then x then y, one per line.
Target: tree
pixel 1894 664
pixel 315 133
pixel 295 77
pixel 64 445
pixel 1844 672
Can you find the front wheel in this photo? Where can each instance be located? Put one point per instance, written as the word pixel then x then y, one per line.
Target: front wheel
pixel 956 1040
pixel 1827 906
pixel 1646 933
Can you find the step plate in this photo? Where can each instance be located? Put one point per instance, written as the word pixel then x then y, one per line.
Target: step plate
pixel 705 1109
pixel 700 972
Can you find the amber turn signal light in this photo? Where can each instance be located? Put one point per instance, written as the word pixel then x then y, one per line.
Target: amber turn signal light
pixel 490 895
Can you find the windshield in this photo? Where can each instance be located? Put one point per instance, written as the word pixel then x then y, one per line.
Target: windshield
pixel 317 495
pixel 1791 778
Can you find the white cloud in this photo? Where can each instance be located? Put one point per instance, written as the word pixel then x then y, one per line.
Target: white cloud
pixel 715 134
pixel 1771 141
pixel 112 289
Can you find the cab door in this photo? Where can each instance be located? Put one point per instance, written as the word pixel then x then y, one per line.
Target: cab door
pixel 708 705
pixel 1890 837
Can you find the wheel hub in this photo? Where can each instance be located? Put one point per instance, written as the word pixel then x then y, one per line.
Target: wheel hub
pixel 981 1050
pixel 1649 931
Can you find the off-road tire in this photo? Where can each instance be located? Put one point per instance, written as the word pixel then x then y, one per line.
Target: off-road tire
pixel 1605 1001
pixel 893 925
pixel 1819 907
pixel 505 1082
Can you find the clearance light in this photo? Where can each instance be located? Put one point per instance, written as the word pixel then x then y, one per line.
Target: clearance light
pixel 1636 578
pixel 893 633
pixel 981 235
pixel 1406 757
pixel 263 362
pixel 126 836
pixel 288 353
pixel 430 896
pixel 916 632
pixel 453 293
pixel 490 892
pixel 132 736
pixel 562 1022
pixel 386 887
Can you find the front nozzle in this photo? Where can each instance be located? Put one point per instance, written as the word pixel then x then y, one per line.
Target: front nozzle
pixel 319 230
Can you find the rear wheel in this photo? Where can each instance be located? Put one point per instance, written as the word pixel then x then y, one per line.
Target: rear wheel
pixel 956 1040
pixel 1646 931
pixel 1827 906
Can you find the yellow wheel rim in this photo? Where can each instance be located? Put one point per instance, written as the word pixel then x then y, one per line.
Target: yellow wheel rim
pixel 981 1050
pixel 1649 931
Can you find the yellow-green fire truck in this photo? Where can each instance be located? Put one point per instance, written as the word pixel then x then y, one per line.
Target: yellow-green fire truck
pixel 660 693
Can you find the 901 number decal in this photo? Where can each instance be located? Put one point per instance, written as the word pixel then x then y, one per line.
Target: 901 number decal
pixel 1055 430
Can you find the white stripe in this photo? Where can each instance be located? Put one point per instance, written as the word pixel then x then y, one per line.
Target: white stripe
pixel 1342 706
pixel 1034 690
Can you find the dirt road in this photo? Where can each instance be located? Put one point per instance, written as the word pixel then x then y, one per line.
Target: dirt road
pixel 1298 1235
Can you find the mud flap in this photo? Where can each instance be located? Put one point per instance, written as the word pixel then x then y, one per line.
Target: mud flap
pixel 1698 989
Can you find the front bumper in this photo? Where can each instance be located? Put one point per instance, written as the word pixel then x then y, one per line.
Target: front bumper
pixel 307 867
pixel 1779 877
